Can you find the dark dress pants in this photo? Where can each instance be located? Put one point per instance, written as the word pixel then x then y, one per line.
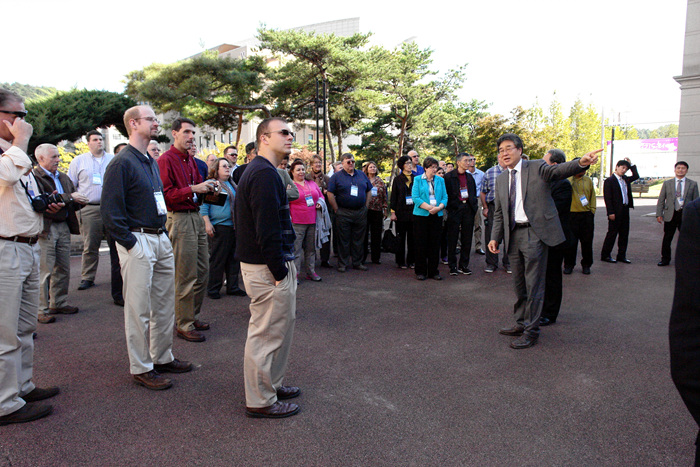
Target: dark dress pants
pixel 582 226
pixel 528 259
pixel 373 234
pixel 116 270
pixel 351 225
pixel 553 289
pixel 404 234
pixel 221 261
pixel 427 231
pixel 669 231
pixel 620 229
pixel 491 258
pixel 460 225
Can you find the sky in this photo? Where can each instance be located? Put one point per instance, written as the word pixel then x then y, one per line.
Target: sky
pixel 618 55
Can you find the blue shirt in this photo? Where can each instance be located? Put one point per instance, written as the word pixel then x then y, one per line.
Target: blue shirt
pixel 418 170
pixel 341 184
pixel 478 176
pixel 219 215
pixel 488 184
pixel 56 181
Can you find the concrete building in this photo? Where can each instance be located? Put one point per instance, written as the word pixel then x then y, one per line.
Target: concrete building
pixel 689 126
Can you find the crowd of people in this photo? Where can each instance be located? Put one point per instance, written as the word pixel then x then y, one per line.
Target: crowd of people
pixel 180 229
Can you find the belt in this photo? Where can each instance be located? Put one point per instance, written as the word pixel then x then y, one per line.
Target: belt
pixel 521 225
pixel 185 210
pixel 147 230
pixel 93 204
pixel 19 239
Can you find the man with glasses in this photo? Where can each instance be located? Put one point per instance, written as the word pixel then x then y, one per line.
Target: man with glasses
pixel 20 226
pixel 478 178
pixel 87 172
pixel 525 215
pixel 265 248
pixel 417 168
pixel 134 212
pixel 182 189
pixel 231 155
pixel 349 193
pixel 154 150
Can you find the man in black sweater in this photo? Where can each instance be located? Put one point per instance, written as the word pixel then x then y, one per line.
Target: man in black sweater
pixel 265 248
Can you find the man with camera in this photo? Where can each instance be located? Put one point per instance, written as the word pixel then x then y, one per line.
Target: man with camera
pixel 54 268
pixel 20 226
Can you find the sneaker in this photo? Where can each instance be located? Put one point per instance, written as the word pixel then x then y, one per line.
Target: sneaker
pixel 466 271
pixel 489 269
pixel 509 270
pixel 453 272
pixel 313 277
pixel 444 260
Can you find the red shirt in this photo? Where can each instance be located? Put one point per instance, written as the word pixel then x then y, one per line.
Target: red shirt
pixel 178 172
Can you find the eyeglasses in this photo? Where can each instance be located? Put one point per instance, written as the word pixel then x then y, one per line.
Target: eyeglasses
pixel 284 132
pixel 505 150
pixel 350 161
pixel 149 119
pixel 16 113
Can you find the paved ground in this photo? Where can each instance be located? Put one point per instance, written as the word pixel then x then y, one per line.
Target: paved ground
pixel 394 372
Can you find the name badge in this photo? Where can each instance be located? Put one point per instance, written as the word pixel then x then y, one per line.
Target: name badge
pixel 584 200
pixel 409 200
pixel 353 190
pixel 464 193
pixel 374 191
pixel 160 203
pixel 433 201
pixel 309 200
pixel 96 179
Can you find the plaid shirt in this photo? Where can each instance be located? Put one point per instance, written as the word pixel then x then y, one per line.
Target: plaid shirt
pixel 488 184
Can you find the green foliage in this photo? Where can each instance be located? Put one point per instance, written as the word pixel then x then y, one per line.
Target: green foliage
pixel 28 92
pixel 70 115
pixel 212 91
pixel 665 131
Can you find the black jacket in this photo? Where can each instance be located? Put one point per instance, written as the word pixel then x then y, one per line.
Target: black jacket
pixel 397 200
pixel 66 214
pixel 453 188
pixel 613 195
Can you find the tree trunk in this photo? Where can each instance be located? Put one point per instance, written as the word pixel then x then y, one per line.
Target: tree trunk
pixel 340 138
pixel 329 137
pixel 402 136
pixel 454 138
pixel 238 130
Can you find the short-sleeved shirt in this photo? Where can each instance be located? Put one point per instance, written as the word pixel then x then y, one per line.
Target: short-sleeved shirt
pixel 341 185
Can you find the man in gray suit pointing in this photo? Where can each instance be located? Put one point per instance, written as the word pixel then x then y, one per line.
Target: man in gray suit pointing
pixel 675 193
pixel 525 215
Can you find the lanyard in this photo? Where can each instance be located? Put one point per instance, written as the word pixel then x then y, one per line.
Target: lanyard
pixel 183 165
pixel 150 169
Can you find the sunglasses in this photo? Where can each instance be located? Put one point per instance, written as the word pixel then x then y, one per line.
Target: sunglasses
pixel 282 132
pixel 16 113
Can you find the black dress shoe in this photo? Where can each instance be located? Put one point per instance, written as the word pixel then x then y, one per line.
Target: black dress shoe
pixel 39 394
pixel 326 264
pixel 480 252
pixel 420 277
pixel 214 295
pixel 623 260
pixel 547 321
pixel 27 413
pixel 523 342
pixel 119 301
pixel 586 270
pixel 237 292
pixel 608 260
pixel 514 331
pixel 276 410
pixel 663 263
pixel 437 277
pixel 568 270
pixel 288 392
pixel 85 285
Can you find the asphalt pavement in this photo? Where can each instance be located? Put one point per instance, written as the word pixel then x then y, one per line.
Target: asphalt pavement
pixel 393 372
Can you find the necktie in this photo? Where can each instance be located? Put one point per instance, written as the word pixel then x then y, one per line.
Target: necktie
pixel 679 192
pixel 511 199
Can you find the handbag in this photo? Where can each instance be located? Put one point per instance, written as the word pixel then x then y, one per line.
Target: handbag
pixel 389 241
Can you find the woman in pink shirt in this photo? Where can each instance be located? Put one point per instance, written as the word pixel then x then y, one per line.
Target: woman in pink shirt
pixel 303 211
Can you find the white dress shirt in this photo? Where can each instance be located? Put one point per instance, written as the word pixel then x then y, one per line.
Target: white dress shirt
pixel 520 216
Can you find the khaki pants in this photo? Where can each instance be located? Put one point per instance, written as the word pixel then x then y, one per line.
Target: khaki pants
pixel 149 301
pixel 92 230
pixel 191 249
pixel 19 289
pixel 54 268
pixel 270 331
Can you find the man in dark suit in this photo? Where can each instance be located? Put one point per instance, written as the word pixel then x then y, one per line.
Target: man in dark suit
pixel 684 328
pixel 617 192
pixel 674 193
pixel 561 194
pixel 462 205
pixel 525 215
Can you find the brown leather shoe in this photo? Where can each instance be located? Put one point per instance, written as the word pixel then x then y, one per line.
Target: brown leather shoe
pixel 191 336
pixel 64 310
pixel 152 380
pixel 27 413
pixel 43 318
pixel 176 366
pixel 288 392
pixel 201 325
pixel 514 331
pixel 39 394
pixel 276 410
pixel 523 342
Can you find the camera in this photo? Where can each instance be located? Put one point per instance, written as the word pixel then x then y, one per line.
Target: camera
pixel 40 203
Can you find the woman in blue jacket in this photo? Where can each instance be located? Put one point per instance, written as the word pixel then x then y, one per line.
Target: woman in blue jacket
pixel 429 200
